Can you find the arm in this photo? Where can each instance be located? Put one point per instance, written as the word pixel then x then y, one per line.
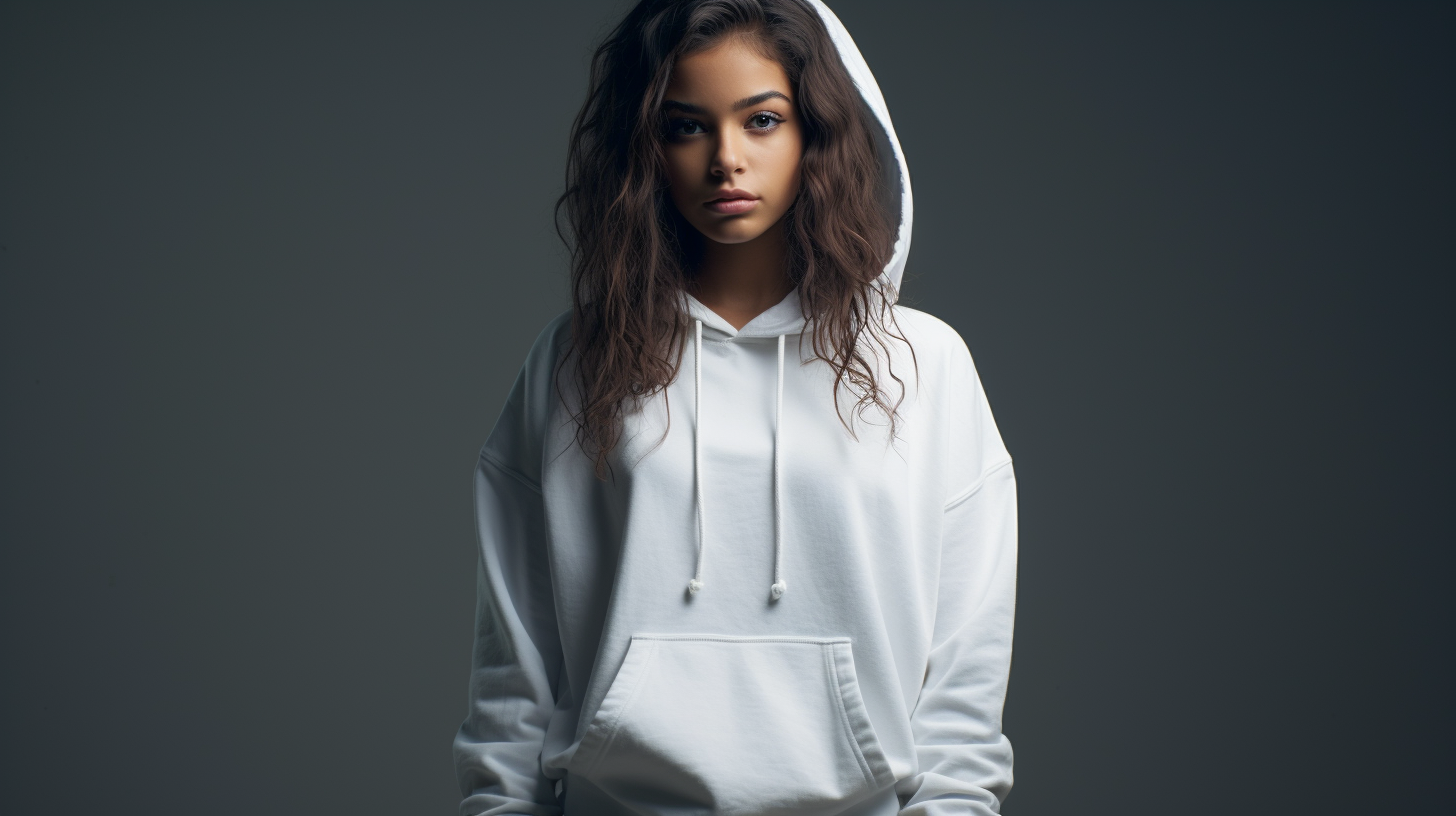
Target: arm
pixel 964 758
pixel 516 655
pixel 516 660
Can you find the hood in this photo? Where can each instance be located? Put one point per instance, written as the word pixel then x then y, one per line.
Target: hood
pixel 785 317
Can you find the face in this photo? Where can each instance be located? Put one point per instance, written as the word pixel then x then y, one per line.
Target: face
pixel 733 141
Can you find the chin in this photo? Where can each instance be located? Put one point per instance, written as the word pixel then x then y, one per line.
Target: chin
pixel 739 232
pixel 732 236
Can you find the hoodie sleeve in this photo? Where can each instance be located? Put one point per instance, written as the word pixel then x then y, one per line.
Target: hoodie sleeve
pixel 964 758
pixel 516 660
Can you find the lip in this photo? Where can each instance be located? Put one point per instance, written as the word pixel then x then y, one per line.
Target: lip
pixel 731 202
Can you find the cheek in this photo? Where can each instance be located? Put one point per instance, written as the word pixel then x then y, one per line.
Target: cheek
pixel 787 173
pixel 684 177
pixel 675 177
pixel 677 163
pixel 791 157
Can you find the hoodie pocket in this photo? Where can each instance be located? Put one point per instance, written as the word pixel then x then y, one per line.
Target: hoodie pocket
pixel 737 725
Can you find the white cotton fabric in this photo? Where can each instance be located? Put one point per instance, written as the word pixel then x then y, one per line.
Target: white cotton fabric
pixel 870 683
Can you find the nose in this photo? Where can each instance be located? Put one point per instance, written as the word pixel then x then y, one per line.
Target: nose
pixel 728 156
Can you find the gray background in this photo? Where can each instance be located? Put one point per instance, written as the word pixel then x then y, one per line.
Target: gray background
pixel 268 270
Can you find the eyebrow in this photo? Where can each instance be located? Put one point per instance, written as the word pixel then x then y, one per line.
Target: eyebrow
pixel 670 104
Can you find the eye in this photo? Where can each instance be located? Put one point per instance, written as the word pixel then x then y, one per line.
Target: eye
pixel 765 120
pixel 682 127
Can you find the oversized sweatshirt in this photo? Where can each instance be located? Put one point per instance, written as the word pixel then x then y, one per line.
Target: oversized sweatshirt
pixel 759 612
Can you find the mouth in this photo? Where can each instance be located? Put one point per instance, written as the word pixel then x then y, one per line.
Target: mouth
pixel 732 202
pixel 731 206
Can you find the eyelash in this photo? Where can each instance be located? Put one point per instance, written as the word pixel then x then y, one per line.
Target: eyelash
pixel 775 119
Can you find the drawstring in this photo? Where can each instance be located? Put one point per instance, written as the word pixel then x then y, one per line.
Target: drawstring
pixel 777 590
pixel 697 582
pixel 779 586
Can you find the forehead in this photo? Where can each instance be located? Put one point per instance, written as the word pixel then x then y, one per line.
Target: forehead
pixel 725 73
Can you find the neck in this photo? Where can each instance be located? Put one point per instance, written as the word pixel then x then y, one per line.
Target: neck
pixel 741 281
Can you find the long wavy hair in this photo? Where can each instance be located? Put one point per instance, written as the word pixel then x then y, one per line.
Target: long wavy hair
pixel 633 253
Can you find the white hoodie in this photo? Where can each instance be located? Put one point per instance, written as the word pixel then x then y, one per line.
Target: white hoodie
pixel 758 614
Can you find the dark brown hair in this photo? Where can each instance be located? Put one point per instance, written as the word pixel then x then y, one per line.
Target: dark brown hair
pixel 632 252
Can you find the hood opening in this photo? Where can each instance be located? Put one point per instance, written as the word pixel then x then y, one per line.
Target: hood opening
pixel 896 195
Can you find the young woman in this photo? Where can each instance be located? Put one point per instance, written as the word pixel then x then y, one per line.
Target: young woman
pixel 747 528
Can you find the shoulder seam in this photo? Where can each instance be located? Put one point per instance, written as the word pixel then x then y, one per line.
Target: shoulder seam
pixel 961 497
pixel 491 458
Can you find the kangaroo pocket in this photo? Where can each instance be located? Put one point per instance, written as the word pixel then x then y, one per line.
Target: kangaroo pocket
pixel 733 725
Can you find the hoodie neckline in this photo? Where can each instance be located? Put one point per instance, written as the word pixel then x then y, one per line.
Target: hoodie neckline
pixel 784 317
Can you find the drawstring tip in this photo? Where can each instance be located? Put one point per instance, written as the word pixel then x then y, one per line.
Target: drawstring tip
pixel 777 590
pixel 693 586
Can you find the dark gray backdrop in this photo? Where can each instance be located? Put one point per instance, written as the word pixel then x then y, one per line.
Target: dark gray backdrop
pixel 268 270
